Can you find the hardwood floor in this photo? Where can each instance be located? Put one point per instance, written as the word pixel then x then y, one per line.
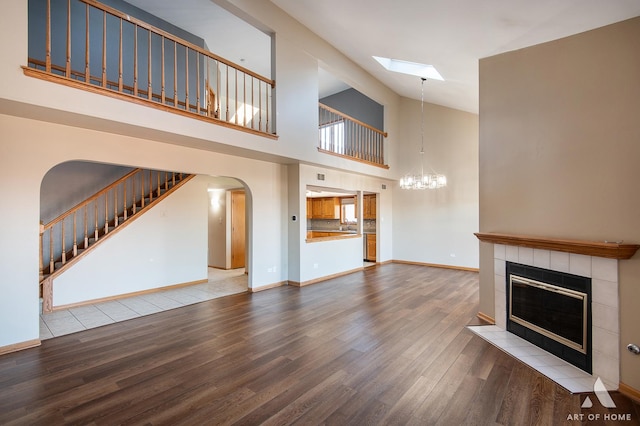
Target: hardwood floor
pixel 384 346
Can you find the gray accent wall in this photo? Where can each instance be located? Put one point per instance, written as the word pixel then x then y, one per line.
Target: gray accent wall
pixel 357 105
pixel 69 183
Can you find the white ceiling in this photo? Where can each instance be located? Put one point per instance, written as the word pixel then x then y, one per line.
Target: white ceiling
pixel 452 35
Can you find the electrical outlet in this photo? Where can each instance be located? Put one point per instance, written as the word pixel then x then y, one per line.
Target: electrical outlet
pixel 315 266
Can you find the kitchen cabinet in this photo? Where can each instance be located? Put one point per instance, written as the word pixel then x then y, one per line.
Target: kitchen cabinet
pixel 325 208
pixel 371 247
pixel 309 208
pixel 369 206
pixel 331 208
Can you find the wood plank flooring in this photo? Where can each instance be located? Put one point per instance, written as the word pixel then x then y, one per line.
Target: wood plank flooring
pixel 384 346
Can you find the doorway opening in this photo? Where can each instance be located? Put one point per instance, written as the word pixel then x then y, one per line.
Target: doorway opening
pixel 227 234
pixel 67 184
pixel 369 233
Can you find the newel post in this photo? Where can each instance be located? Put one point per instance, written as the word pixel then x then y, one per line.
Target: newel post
pixel 41 243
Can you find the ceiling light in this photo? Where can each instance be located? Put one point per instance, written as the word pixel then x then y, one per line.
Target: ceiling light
pixel 411 68
pixel 422 180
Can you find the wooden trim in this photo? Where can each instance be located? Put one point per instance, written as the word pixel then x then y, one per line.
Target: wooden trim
pixel 629 391
pixel 485 317
pixel 31 72
pixel 348 157
pixel 325 278
pixel 47 295
pixel 352 119
pixel 437 265
pixel 267 287
pixel 612 250
pixel 19 346
pixel 125 295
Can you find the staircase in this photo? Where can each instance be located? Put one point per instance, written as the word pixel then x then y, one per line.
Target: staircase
pixel 67 238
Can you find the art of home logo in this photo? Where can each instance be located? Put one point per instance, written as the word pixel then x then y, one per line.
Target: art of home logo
pixel 602 395
pixel 605 400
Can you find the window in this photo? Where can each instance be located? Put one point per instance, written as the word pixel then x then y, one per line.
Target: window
pixel 332 137
pixel 348 211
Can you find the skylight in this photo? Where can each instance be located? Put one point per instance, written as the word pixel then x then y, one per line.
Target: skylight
pixel 412 68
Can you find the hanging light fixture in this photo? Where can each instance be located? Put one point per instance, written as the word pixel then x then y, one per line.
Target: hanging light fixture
pixel 423 180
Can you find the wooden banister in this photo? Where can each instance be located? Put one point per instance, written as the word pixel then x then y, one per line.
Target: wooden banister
pixel 353 120
pixel 347 137
pixel 111 208
pixel 169 36
pixel 187 77
pixel 90 199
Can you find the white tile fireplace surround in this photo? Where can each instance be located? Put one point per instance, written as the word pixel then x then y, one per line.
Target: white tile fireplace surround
pixel 605 315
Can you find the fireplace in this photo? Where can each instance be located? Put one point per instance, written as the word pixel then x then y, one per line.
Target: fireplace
pixel 595 260
pixel 552 310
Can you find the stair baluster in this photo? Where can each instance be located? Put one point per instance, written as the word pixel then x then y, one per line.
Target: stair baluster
pixel 102 227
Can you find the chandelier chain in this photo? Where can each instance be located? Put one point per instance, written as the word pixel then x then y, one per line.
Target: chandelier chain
pixel 423 181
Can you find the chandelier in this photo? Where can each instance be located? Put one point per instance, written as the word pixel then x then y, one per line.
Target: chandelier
pixel 422 180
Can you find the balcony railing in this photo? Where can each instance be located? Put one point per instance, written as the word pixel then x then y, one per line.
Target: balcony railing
pixel 345 136
pixel 86 44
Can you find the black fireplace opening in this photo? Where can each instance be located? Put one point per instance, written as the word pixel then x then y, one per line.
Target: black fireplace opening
pixel 552 310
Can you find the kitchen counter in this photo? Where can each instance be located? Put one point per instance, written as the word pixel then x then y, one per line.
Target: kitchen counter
pixel 333 231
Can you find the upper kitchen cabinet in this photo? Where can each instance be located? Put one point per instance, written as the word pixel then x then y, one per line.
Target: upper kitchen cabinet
pixel 325 208
pixel 369 206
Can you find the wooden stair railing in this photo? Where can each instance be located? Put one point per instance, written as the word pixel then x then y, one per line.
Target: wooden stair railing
pixel 348 137
pixel 68 237
pixel 118 55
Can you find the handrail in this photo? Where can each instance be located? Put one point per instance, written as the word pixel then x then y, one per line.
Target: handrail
pixel 125 57
pixel 90 199
pixel 347 137
pixel 89 221
pixel 172 37
pixel 354 120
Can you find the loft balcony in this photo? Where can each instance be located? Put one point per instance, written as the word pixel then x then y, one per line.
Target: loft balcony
pixel 94 47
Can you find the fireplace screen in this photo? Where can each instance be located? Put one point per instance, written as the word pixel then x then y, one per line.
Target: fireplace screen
pixel 555 312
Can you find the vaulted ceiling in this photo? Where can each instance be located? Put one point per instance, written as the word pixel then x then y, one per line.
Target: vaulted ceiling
pixel 451 35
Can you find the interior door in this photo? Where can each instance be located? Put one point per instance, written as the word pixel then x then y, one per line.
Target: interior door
pixel 237 229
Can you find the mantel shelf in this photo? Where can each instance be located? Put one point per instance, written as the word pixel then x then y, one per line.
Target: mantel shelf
pixel 610 250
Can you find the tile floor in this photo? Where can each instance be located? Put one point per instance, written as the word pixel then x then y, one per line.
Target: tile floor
pixel 220 283
pixel 566 375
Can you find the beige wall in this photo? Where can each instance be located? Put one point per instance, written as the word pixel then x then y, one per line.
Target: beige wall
pixel 560 153
pixel 437 226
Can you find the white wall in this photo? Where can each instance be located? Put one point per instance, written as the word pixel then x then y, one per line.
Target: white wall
pixel 30 148
pixel 437 226
pixel 296 95
pixel 98 128
pixel 324 258
pixel 165 246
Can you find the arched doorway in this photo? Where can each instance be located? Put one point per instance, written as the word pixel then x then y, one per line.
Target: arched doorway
pixel 96 311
